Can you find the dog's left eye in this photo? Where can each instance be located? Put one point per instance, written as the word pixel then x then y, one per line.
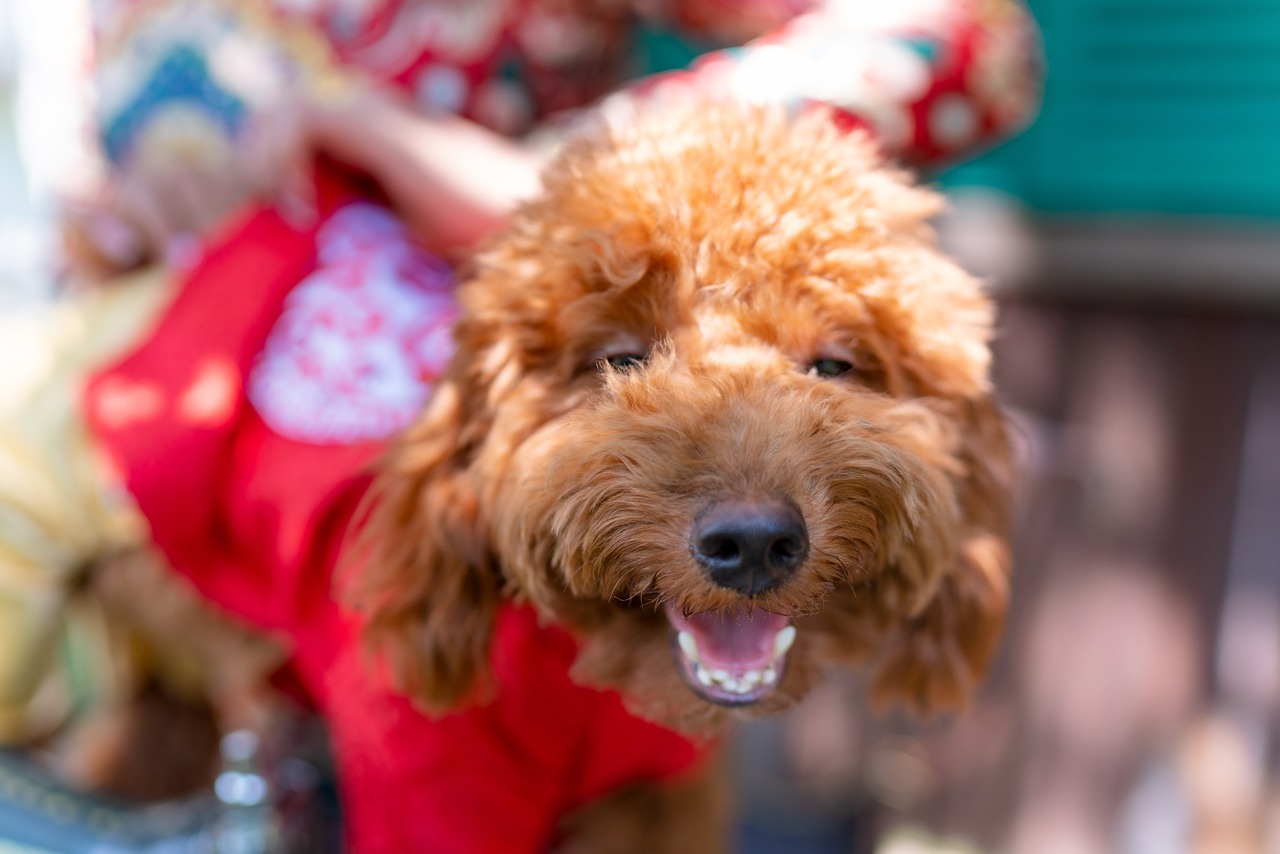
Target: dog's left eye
pixel 623 362
pixel 829 367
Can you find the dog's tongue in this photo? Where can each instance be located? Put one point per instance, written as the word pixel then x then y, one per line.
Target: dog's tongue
pixel 735 640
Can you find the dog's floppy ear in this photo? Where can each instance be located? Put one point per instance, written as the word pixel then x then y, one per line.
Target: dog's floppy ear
pixel 934 660
pixel 424 578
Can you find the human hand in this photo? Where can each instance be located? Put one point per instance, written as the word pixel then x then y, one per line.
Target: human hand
pixel 156 205
pixel 171 206
pixel 451 180
pixel 280 147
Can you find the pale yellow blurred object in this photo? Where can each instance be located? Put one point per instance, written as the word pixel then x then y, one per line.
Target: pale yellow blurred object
pixel 914 840
pixel 57 512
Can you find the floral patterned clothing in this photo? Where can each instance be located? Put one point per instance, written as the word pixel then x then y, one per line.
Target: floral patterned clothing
pixel 933 79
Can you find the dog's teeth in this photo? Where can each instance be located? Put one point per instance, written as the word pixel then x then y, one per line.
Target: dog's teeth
pixel 783 641
pixel 743 683
pixel 689 646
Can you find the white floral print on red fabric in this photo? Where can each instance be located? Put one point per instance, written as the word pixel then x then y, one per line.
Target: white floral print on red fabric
pixel 362 339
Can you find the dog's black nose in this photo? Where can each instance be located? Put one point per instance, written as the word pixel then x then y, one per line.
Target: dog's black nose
pixel 750 545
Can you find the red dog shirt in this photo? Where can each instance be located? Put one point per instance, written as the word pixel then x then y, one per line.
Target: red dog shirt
pixel 245 427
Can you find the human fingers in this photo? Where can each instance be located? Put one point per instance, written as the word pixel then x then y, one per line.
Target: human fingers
pixel 279 154
pixel 170 202
pixel 187 197
pixel 97 241
pixel 137 205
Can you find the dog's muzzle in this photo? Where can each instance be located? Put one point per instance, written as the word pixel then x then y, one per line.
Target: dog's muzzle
pixel 735 657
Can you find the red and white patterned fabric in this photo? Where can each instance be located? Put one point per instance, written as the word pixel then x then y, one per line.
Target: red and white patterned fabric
pixel 932 80
pixel 361 339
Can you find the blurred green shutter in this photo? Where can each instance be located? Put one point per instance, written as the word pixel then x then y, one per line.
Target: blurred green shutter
pixel 1152 105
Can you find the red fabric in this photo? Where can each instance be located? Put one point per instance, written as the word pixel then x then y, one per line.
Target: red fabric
pixel 256 520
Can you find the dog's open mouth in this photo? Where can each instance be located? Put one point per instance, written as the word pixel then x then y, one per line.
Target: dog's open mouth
pixel 732 657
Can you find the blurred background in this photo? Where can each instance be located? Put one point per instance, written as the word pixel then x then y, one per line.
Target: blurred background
pixel 1133 238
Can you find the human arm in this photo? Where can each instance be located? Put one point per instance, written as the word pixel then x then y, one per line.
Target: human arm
pixel 453 181
pixel 934 81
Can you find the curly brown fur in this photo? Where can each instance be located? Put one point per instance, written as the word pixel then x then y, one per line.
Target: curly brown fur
pixel 740 256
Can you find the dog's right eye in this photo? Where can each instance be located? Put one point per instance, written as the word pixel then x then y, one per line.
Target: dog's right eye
pixel 623 362
pixel 829 368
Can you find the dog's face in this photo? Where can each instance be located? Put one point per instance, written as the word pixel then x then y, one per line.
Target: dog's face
pixel 721 408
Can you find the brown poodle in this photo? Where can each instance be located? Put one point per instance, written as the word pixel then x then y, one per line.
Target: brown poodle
pixel 720 407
